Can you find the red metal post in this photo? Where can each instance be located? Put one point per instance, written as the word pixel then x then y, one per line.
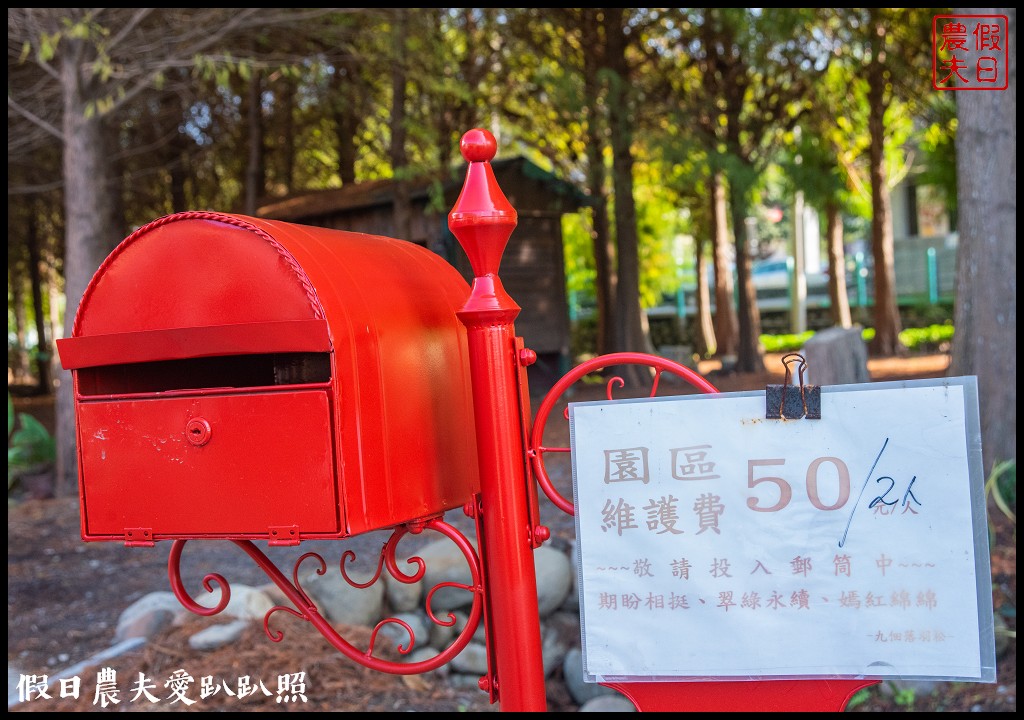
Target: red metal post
pixel 482 221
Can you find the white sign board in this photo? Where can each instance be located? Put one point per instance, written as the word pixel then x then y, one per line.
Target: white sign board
pixel 717 544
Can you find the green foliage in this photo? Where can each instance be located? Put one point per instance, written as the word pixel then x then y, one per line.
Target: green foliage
pixel 666 331
pixel 904 697
pixel 925 314
pixel 579 251
pixel 583 338
pixel 938 148
pixel 659 222
pixel 926 339
pixel 785 343
pixel 1001 490
pixel 859 698
pixel 1001 486
pixel 29 444
pixel 826 156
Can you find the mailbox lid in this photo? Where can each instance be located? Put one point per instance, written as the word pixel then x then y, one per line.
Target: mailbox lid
pixel 195 284
pixel 267 462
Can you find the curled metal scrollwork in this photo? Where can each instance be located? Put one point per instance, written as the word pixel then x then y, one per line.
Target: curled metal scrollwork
pixel 305 609
pixel 537 448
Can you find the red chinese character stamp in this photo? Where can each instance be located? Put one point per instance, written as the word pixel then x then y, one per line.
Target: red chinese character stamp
pixel 970 52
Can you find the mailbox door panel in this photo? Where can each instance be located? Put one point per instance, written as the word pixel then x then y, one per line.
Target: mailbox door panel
pixel 209 465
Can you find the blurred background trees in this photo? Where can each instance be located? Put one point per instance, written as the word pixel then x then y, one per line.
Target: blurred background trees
pixel 687 128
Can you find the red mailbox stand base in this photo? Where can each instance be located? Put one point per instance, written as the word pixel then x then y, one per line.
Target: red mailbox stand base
pixel 753 696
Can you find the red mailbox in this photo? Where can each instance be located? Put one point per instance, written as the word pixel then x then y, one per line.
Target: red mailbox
pixel 252 379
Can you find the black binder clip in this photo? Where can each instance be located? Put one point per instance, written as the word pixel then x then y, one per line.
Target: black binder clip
pixel 790 402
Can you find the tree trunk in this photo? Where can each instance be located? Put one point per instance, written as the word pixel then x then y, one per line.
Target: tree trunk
pixel 255 173
pixel 89 208
pixel 53 317
pixel 631 330
pixel 112 179
pixel 725 314
pixel 985 344
pixel 399 157
pixel 288 134
pixel 749 352
pixel 43 351
pixel 178 171
pixel 17 285
pixel 704 336
pixel 886 314
pixel 839 299
pixel 345 104
pixel 604 265
pixel 175 157
pixel 604 250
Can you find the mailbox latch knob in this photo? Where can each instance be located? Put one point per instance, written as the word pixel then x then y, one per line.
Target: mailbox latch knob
pixel 197 430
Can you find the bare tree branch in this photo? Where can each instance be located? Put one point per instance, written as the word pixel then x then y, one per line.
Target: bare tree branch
pixel 34 119
pixel 208 39
pixel 33 189
pixel 128 27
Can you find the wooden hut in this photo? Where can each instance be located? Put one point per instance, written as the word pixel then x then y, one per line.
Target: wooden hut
pixel 533 267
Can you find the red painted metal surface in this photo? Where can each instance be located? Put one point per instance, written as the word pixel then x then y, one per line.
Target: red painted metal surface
pixel 753 696
pixel 482 220
pixel 330 367
pixel 537 447
pixel 238 480
pixel 207 341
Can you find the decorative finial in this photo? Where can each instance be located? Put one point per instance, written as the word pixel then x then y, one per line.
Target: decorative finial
pixel 478 145
pixel 482 219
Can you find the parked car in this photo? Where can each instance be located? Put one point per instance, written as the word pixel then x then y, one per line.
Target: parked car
pixel 772 281
pixel 771 274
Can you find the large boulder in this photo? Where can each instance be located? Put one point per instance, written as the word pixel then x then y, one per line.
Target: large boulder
pixel 835 356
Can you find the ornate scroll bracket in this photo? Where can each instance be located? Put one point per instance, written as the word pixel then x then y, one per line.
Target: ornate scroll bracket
pixel 537 449
pixel 305 609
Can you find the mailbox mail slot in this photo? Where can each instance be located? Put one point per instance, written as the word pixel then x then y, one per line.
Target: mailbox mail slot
pixel 245 378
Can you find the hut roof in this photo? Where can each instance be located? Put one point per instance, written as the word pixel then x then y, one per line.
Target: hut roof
pixel 370 193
